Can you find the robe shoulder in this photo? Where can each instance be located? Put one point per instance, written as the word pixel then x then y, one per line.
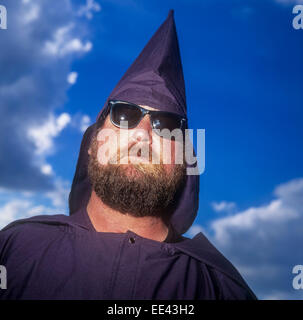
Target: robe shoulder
pixel 33 226
pixel 31 232
pixel 227 280
pixel 41 232
pixel 50 220
pixel 227 288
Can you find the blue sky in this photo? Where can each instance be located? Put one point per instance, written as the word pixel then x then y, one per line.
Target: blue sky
pixel 243 71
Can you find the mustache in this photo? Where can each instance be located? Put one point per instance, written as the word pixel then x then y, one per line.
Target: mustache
pixel 140 150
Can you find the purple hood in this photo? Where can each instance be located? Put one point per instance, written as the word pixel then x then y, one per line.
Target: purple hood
pixel 155 79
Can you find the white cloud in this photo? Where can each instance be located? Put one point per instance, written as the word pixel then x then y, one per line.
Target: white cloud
pixel 289 1
pixel 32 13
pixel 88 9
pixel 20 209
pixel 11 210
pixel 85 122
pixel 20 205
pixel 291 193
pixel 43 138
pixel 42 42
pixel 47 169
pixel 264 242
pixel 72 77
pixel 80 122
pixel 59 196
pixel 43 135
pixel 223 206
pixel 194 230
pixel 64 43
pixel 274 212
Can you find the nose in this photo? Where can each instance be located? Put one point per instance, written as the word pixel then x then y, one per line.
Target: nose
pixel 143 131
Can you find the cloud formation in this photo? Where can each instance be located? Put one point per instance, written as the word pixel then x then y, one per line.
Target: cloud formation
pixel 43 135
pixel 264 242
pixel 42 40
pixel 72 77
pixel 88 9
pixel 11 211
pixel 223 206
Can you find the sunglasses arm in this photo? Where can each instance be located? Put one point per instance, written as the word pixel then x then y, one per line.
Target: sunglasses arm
pixel 104 113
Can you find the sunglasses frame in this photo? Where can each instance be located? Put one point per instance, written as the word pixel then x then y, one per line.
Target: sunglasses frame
pixel 111 104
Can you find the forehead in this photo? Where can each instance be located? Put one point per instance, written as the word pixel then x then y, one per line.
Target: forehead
pixel 148 108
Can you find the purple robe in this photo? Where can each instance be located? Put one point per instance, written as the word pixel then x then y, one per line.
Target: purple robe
pixel 64 257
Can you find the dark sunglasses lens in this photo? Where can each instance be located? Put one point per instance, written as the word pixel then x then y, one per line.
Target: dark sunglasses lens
pixel 166 121
pixel 125 112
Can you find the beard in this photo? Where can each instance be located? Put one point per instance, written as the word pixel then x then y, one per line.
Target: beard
pixel 140 190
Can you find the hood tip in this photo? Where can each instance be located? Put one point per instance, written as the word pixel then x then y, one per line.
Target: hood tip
pixel 171 13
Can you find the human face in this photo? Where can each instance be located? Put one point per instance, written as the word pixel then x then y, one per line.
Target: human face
pixel 140 144
pixel 138 189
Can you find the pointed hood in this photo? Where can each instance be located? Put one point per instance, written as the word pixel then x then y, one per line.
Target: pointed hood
pixel 155 79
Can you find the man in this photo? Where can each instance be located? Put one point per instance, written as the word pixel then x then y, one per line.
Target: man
pixel 123 238
pixel 136 194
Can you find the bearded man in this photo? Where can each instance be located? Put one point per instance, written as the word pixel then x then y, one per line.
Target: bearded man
pixel 123 237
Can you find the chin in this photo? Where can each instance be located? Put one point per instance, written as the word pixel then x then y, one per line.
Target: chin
pixel 132 171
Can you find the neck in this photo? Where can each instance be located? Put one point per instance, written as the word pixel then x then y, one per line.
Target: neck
pixel 106 219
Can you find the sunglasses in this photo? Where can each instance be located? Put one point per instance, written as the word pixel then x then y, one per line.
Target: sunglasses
pixel 125 111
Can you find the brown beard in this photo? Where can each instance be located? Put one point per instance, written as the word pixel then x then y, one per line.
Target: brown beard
pixel 136 189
